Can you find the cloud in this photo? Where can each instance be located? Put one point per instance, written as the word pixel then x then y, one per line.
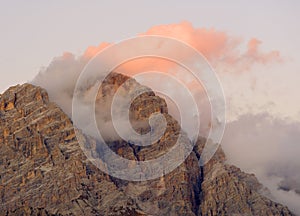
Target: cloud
pixel 259 143
pixel 254 52
pixel 268 147
pixel 91 51
pixel 59 79
pixel 217 46
pixel 223 51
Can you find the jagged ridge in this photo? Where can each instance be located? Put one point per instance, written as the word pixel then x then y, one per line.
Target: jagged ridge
pixel 44 172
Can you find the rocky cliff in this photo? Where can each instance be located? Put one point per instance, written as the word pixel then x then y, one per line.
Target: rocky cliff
pixel 43 170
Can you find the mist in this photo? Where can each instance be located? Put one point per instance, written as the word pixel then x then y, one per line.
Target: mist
pixel 268 147
pixel 256 139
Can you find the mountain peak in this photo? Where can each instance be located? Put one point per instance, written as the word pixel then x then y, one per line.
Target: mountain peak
pixel 43 170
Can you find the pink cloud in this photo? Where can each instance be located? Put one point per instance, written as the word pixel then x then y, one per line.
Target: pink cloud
pixel 220 49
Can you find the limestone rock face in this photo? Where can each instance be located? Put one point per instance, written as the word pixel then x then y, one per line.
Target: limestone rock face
pixel 43 170
pixel 226 190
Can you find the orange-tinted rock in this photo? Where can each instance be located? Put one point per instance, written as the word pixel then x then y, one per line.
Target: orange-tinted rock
pixel 43 170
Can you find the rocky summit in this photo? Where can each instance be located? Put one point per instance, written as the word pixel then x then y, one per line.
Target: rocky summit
pixel 43 170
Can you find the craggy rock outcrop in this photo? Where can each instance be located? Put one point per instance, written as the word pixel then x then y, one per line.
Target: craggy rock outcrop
pixel 43 170
pixel 226 190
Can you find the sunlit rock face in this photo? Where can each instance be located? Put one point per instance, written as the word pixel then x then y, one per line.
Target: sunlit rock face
pixel 43 170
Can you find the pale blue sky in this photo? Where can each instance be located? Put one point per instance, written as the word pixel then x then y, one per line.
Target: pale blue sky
pixel 33 32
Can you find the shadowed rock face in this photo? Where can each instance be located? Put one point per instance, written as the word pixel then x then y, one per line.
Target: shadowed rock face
pixel 43 170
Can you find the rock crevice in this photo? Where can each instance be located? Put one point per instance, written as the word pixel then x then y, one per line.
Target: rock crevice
pixel 43 170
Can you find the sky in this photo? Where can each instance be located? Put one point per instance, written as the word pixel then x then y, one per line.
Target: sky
pixel 32 32
pixel 261 89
